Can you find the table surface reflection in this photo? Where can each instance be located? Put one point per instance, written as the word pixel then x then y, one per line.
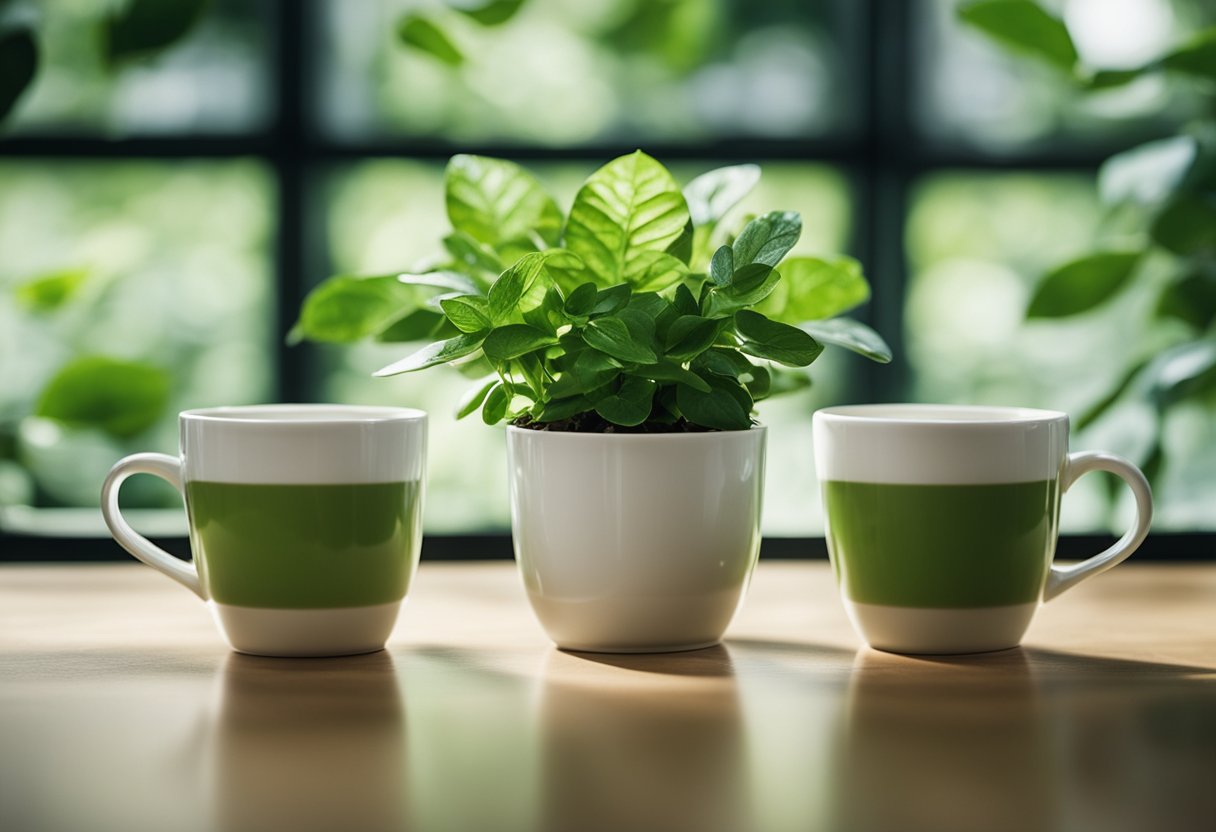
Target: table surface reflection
pixel 120 709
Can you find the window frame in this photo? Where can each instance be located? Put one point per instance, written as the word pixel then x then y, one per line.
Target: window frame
pixel 880 157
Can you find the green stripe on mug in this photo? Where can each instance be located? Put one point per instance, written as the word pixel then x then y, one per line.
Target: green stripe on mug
pixel 942 546
pixel 304 546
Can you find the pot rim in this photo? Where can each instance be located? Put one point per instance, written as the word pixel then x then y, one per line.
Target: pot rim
pixel 576 436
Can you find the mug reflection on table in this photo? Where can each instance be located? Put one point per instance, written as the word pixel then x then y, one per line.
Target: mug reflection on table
pixel 300 745
pixel 943 745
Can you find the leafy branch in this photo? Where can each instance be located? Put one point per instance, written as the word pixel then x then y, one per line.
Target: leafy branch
pixel 131 31
pixel 1173 181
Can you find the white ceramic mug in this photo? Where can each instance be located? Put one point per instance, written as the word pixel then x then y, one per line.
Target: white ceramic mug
pixel 942 520
pixel 305 521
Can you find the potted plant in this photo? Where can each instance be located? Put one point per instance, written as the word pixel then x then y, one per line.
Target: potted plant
pixel 625 344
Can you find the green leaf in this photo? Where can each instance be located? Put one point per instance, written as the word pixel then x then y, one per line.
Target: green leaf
pixel 514 340
pixel 814 288
pixel 579 302
pixel 557 409
pixel 512 285
pixel 565 268
pixel 641 325
pixel 850 334
pixel 682 247
pixel 142 27
pixel 1181 371
pixel 725 361
pixel 440 352
pixel 685 303
pixel 656 270
pixel 612 336
pixel 469 313
pixel 689 336
pixel 475 367
pixel 667 371
pixel 444 279
pixel 422 33
pixel 722 266
pixel 344 308
pixel 1187 225
pixel 49 292
pixel 625 210
pixel 610 300
pixel 767 239
pixel 750 285
pixel 1082 284
pixel 775 341
pixel 515 248
pixel 1196 57
pixel 589 370
pixel 665 410
pixel 492 13
pixel 630 405
pixel 1151 465
pixel 761 383
pixel 1095 411
pixel 495 201
pixel 475 396
pixel 650 304
pixel 494 409
pixel 419 325
pixel 473 255
pixel 122 398
pixel 711 195
pixel 550 315
pixel 18 66
pixel 720 408
pixel 1106 79
pixel 1148 173
pixel 531 367
pixel 1192 299
pixel 1023 26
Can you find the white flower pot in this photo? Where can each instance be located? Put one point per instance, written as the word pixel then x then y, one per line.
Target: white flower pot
pixel 636 543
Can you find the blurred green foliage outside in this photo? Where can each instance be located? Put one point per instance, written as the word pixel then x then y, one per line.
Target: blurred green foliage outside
pixel 165 268
pixel 160 268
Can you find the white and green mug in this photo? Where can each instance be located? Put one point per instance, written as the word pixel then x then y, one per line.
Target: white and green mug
pixel 942 520
pixel 305 521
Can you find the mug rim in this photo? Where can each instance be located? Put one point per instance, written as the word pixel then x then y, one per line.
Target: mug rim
pixel 938 415
pixel 312 415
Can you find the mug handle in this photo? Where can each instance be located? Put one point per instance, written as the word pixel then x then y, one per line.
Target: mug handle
pixel 1076 466
pixel 168 469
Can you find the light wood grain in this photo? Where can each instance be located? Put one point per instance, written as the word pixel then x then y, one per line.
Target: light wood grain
pixel 121 709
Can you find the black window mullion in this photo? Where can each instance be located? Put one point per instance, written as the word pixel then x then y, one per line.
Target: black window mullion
pixel 880 174
pixel 289 158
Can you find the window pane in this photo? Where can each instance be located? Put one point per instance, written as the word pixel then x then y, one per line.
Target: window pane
pixel 977 245
pixel 562 73
pixel 215 80
pixel 162 263
pixel 969 90
pixel 386 215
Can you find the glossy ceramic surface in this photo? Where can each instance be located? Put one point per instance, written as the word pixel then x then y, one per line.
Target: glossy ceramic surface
pixel 902 456
pixel 636 543
pixel 305 451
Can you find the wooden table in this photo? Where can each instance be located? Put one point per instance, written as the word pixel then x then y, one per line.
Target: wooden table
pixel 120 709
